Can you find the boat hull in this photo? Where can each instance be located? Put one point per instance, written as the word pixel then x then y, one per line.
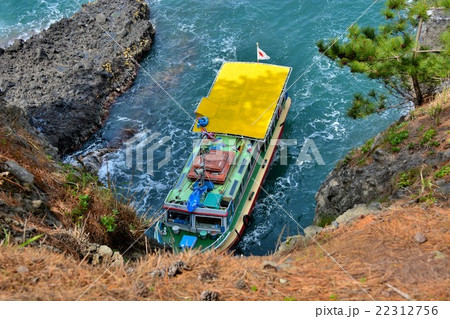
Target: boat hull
pixel 255 187
pixel 244 209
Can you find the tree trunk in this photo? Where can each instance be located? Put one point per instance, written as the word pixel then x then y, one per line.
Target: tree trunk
pixel 417 91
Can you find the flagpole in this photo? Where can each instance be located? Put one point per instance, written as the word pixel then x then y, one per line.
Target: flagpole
pixel 257 53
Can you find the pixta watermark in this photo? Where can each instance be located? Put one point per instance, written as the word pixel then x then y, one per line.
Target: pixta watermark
pixel 149 151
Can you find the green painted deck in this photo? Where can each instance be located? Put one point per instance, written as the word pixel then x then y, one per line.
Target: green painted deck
pixel 174 240
pixel 183 188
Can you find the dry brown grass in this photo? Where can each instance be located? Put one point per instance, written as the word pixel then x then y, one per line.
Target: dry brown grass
pixel 62 187
pixel 376 251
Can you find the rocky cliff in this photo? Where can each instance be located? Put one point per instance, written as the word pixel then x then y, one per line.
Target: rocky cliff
pixel 409 160
pixel 65 77
pixel 55 89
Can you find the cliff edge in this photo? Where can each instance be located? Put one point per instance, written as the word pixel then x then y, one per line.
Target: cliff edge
pixel 409 160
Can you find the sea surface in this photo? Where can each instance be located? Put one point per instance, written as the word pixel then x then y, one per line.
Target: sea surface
pixel 193 39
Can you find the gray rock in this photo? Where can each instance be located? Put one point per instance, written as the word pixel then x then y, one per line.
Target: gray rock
pixel 209 295
pixel 350 185
pixel 105 252
pixel 420 238
pixel 240 284
pixel 437 23
pixel 49 88
pixel 36 203
pixel 440 182
pixel 311 231
pixel 177 268
pixel 157 273
pixel 22 269
pixel 117 259
pixel 444 189
pixel 376 205
pixel 283 281
pixel 335 224
pixel 267 264
pixel 18 171
pixel 354 213
pixel 291 242
pixel 100 18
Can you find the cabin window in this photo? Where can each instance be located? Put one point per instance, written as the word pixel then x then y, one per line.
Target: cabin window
pixel 207 222
pixel 178 218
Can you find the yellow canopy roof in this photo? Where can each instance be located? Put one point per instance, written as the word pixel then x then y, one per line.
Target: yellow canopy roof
pixel 243 98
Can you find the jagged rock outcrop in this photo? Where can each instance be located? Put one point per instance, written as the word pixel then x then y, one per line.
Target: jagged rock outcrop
pixel 394 160
pixel 433 28
pixel 65 77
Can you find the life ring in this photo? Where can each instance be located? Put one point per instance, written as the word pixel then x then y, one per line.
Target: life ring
pixel 246 220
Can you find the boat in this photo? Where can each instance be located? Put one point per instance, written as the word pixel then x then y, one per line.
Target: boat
pixel 239 124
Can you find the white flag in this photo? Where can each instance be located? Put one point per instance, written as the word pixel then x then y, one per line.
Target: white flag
pixel 261 55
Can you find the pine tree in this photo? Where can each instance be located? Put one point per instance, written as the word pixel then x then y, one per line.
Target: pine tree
pixel 392 55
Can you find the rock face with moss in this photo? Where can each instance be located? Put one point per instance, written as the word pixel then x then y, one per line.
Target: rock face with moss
pixel 66 76
pixel 409 160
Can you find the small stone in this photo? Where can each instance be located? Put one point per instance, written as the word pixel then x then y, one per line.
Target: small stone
pixel 22 269
pixel 100 18
pixel 105 252
pixel 240 284
pixel 283 281
pixel 335 224
pixel 157 273
pixel 376 205
pixel 420 238
pixel 36 203
pixel 267 264
pixel 209 295
pixel 312 230
pixel 117 259
pixel 177 268
pixel 21 173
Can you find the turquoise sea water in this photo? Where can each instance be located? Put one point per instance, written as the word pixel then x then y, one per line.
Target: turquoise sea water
pixel 193 38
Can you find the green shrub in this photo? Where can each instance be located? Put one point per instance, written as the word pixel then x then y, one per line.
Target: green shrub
pixel 367 146
pixel 428 136
pixel 82 208
pixel 325 220
pixel 406 179
pixel 290 299
pixel 444 171
pixel 110 221
pixel 395 138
